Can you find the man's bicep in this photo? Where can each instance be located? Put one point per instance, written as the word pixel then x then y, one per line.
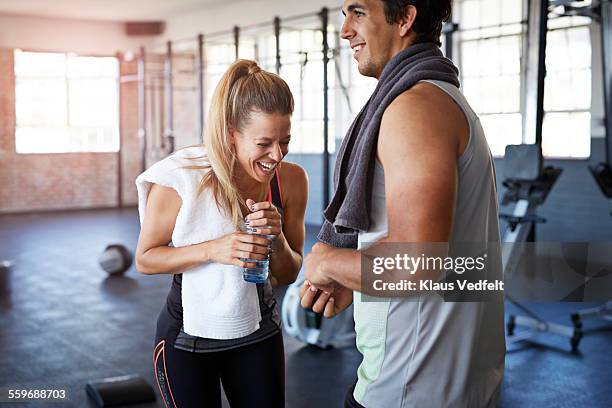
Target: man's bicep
pixel 419 159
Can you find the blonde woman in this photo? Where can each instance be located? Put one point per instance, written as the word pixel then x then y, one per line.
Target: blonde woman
pixel 216 327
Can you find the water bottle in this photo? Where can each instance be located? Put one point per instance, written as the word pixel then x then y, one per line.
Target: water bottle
pixel 258 273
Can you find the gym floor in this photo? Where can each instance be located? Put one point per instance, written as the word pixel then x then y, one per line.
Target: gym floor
pixel 63 322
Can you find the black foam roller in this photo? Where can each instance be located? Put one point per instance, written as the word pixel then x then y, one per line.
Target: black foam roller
pixel 123 390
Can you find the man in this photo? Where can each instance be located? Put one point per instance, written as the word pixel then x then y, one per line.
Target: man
pixel 429 179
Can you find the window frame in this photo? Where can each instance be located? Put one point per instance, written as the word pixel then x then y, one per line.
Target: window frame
pixel 66 80
pixel 523 37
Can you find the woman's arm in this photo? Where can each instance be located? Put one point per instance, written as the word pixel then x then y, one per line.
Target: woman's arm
pixel 154 256
pixel 289 231
pixel 286 259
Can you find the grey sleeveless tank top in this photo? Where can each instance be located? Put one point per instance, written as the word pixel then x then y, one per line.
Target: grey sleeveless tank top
pixel 427 352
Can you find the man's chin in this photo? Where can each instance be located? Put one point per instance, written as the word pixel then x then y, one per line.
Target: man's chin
pixel 367 69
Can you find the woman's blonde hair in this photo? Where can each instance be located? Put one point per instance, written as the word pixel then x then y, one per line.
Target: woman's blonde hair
pixel 243 89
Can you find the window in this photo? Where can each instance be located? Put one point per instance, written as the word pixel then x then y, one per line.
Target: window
pixel 567 94
pixel 490 66
pixel 302 68
pixel 490 52
pixel 219 56
pixel 66 103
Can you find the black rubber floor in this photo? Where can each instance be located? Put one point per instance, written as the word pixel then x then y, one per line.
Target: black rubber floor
pixel 62 322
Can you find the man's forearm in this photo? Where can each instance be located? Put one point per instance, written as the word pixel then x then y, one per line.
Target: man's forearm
pixel 344 267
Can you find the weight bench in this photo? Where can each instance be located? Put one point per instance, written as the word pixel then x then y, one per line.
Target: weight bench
pixel 527 185
pixel 602 173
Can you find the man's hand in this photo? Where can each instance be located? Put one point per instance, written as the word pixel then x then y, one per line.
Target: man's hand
pixel 330 302
pixel 313 263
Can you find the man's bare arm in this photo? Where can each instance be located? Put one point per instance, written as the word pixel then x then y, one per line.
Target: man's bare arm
pixel 418 147
pixel 422 133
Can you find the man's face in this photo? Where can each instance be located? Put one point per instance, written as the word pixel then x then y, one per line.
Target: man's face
pixel 373 40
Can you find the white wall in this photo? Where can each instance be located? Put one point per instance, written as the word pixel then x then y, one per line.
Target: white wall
pixel 68 35
pixel 219 18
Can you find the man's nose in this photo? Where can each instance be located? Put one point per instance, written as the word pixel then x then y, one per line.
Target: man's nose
pixel 346 32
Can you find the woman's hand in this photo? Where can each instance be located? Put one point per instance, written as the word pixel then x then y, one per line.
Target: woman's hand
pixel 235 248
pixel 330 302
pixel 264 218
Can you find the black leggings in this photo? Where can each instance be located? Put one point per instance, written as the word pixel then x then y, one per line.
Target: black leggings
pixel 252 375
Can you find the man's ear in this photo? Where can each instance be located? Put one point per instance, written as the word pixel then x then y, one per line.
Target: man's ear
pixel 407 21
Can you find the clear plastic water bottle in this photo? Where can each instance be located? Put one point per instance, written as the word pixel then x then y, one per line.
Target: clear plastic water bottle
pixel 259 273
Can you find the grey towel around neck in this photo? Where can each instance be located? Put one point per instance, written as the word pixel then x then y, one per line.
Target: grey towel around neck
pixel 348 212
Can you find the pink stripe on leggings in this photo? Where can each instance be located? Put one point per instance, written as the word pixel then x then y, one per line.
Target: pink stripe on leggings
pixel 160 350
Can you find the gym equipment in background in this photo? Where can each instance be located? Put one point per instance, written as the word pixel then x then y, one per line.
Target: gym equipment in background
pixel 123 390
pixel 5 270
pixel 602 172
pixel 602 312
pixel 310 327
pixel 527 186
pixel 115 259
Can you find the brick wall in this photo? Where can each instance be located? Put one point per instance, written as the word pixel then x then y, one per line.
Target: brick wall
pixel 37 182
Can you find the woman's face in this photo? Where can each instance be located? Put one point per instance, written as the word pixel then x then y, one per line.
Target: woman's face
pixel 261 145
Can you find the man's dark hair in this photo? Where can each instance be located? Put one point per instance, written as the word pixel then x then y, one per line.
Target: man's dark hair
pixel 430 16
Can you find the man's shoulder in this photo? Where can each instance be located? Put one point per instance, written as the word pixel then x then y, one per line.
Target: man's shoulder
pixel 424 106
pixel 425 111
pixel 424 97
pixel 424 119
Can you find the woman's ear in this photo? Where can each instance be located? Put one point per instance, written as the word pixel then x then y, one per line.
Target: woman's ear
pixel 407 22
pixel 231 134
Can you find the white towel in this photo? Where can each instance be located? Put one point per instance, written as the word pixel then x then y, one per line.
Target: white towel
pixel 217 302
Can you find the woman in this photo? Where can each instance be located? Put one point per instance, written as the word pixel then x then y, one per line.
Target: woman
pixel 215 325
